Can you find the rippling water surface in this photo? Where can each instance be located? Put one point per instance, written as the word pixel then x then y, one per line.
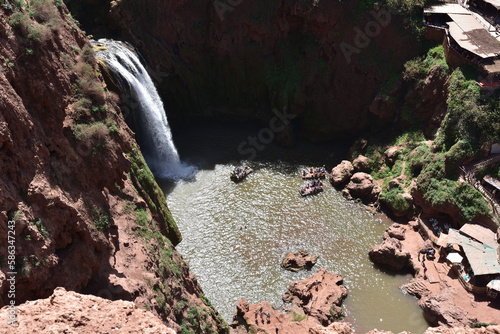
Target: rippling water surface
pixel 235 235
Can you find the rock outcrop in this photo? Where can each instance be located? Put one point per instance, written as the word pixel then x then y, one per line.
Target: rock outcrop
pixel 395 231
pixel 361 164
pixel 71 312
pixel 320 296
pixel 315 304
pixel 88 213
pixel 440 310
pixel 341 173
pixel 391 255
pixel 299 260
pixel 493 329
pixel 360 185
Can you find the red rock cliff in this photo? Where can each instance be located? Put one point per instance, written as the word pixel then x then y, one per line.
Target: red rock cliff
pixel 87 212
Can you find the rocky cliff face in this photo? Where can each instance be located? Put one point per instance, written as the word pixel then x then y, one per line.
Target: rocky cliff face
pixel 83 208
pixel 322 61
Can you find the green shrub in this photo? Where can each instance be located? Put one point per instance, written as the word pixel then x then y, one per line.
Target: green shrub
pixel 418 158
pixel 298 317
pixel 82 106
pixel 482 324
pixel 18 19
pixel 394 199
pixel 91 88
pixel 44 11
pixel 87 55
pixel 417 69
pixel 97 131
pixel 101 219
pixel 38 32
pixel 457 155
pixel 41 228
pixel 470 201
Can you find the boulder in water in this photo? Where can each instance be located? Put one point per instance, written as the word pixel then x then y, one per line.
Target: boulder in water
pixel 320 296
pixel 299 261
pixel 341 173
pixel 361 185
pixel 390 254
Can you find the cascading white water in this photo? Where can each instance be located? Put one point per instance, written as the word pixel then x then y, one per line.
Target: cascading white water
pixel 140 96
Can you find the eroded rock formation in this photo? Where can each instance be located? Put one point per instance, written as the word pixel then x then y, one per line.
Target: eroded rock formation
pixel 299 260
pixel 88 213
pixel 71 312
pixel 391 255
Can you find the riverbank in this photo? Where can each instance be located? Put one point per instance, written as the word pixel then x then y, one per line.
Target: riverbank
pixel 441 295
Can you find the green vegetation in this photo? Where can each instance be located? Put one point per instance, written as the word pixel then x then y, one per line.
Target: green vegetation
pixel 41 228
pixel 35 20
pixel 418 68
pixel 95 132
pixel 470 126
pixel 146 185
pixel 482 324
pixel 101 219
pixel 393 197
pixel 16 216
pixel 298 317
pixel 471 121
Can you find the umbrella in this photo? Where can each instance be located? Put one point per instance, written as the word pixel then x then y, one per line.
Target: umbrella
pixel 494 284
pixel 454 258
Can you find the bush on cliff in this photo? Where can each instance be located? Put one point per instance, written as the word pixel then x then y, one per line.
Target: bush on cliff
pixel 469 119
pixel 396 202
pixel 418 68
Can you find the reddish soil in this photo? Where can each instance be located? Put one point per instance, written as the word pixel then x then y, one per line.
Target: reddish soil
pixel 445 282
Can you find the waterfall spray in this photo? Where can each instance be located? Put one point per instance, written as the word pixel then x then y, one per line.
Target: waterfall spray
pixel 149 118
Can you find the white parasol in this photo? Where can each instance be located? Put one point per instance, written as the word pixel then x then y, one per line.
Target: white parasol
pixel 454 258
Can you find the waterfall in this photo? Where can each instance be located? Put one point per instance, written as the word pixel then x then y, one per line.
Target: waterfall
pixel 141 99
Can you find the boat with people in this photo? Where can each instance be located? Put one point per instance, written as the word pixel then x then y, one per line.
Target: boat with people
pixel 239 173
pixel 311 188
pixel 314 173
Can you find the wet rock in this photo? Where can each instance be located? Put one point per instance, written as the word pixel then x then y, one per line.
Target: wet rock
pixel 341 173
pixel 361 164
pixel 320 296
pixel 299 261
pixel 391 255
